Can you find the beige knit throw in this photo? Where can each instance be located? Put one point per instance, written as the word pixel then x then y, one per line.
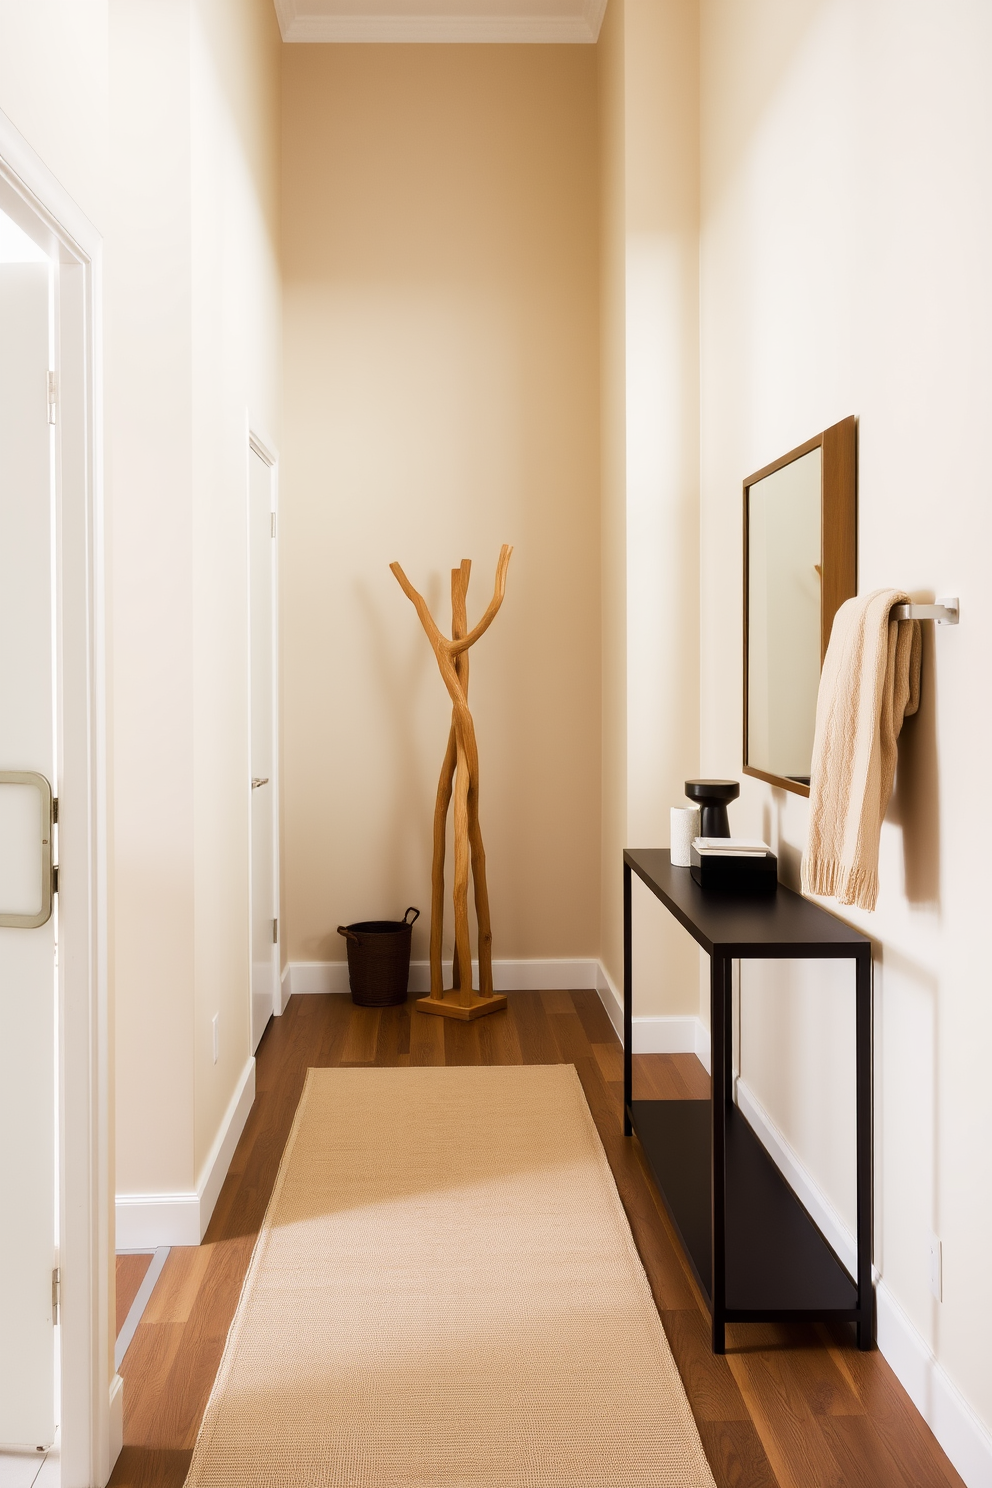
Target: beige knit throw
pixel 870 681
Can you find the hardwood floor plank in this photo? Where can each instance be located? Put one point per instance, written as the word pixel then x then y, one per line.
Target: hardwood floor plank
pixel 570 1037
pixel 537 1042
pixel 736 1455
pixel 178 1288
pixel 427 1039
pixel 599 1029
pixel 498 1041
pixel 794 1356
pixel 556 1002
pixel 783 1416
pixel 785 1408
pixel 708 1378
pixel 129 1273
pixel 147 1363
pixel 360 1039
pixel 609 1057
pixel 461 1040
pixel 894 1418
pixel 669 1077
pixel 862 1457
pixel 144 1467
pixel 393 1041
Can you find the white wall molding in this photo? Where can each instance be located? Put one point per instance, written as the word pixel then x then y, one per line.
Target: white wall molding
pixel 305 21
pixel 677 1034
pixel 508 976
pixel 652 1035
pixel 148 1221
pixel 965 1438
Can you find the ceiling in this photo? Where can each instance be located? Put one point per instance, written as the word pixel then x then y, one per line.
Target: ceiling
pixel 441 20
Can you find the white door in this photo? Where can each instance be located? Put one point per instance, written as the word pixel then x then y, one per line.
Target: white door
pixel 27 948
pixel 264 888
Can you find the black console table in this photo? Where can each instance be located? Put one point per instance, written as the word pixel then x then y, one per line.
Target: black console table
pixel 755 1251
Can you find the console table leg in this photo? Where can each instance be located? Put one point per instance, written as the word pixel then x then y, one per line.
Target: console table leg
pixel 720 995
pixel 863 1062
pixel 628 1012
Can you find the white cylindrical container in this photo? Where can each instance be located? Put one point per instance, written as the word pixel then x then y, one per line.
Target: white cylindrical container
pixel 685 826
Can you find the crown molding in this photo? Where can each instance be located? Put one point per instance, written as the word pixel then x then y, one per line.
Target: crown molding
pixel 580 28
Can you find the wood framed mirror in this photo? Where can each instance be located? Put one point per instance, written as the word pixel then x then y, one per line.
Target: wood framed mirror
pixel 800 565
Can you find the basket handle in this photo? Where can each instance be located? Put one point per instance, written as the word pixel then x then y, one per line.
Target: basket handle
pixel 415 913
pixel 348 934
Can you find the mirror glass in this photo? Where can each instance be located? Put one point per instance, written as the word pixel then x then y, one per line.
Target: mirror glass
pixel 783 621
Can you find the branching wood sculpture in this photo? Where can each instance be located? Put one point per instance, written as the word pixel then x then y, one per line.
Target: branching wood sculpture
pixel 459 776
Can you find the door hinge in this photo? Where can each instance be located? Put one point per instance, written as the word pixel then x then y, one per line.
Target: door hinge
pixel 53 395
pixel 275 932
pixel 55 878
pixel 56 1294
pixel 55 808
pixel 272 524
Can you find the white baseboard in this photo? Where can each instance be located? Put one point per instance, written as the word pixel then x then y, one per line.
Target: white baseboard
pixel 651 1035
pixel 965 1439
pixel 508 976
pixel 662 1035
pixel 149 1221
pixel 116 1419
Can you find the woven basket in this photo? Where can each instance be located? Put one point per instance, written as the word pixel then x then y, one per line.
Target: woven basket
pixel 379 959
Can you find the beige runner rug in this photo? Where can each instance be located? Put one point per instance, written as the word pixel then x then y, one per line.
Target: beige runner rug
pixel 445 1292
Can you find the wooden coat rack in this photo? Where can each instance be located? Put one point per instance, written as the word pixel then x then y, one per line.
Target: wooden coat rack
pixel 459 777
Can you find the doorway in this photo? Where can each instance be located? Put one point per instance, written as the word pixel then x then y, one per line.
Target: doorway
pixel 55 1168
pixel 28 728
pixel 263 793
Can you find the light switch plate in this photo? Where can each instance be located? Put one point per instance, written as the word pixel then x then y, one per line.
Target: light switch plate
pixel 936 1267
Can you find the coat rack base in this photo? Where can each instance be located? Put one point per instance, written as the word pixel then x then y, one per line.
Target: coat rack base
pixel 450 1005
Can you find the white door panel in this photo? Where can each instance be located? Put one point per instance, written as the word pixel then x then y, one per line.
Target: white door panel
pixel 264 899
pixel 27 956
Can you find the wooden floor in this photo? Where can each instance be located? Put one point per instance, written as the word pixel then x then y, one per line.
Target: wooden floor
pixel 130 1274
pixel 794 1406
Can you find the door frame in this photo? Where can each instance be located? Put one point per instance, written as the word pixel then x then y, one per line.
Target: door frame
pixel 91 1408
pixel 266 451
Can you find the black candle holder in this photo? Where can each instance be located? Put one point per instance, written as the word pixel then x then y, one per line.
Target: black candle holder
pixel 713 796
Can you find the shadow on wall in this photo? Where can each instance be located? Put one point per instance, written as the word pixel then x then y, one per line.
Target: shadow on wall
pixel 907 1042
pixel 915 804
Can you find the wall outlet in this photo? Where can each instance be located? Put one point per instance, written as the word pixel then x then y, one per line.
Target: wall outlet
pixel 936 1267
pixel 215 1030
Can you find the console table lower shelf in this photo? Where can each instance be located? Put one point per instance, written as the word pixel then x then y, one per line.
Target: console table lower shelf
pixel 778 1264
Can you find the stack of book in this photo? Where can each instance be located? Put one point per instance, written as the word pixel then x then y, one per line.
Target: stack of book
pixel 739 864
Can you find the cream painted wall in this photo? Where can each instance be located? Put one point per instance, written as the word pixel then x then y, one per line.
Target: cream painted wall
pixel 53 88
pixel 236 305
pixel 846 236
pixel 441 322
pixel 649 122
pixel 192 344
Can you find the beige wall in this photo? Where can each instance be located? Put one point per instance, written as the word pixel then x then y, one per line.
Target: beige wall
pixel 441 321
pixel 649 121
pixel 846 236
